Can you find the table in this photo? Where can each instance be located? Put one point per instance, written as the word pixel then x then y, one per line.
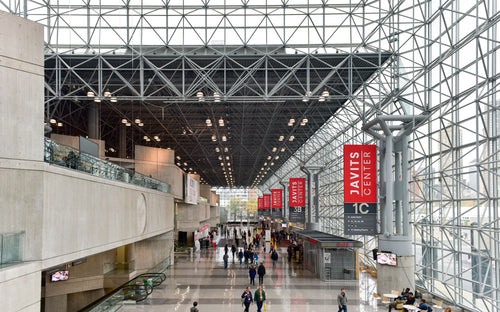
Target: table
pixel 411 307
pixel 391 296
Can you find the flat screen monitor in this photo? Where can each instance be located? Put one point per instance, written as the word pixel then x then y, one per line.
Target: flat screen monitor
pixel 387 258
pixel 59 276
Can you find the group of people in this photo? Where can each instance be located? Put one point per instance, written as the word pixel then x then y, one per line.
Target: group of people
pixel 407 298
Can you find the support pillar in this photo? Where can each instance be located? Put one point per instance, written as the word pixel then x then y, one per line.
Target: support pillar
pixel 312 179
pixel 394 197
pixel 285 211
pixel 123 141
pixel 94 121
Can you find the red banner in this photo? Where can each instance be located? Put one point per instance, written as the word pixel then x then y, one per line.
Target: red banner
pixel 277 195
pixel 360 173
pixel 267 201
pixel 259 203
pixel 297 192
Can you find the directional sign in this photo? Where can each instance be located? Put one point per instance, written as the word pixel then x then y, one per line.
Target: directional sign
pixel 297 214
pixel 360 224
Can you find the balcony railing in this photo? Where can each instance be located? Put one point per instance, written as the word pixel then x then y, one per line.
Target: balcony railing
pixel 69 157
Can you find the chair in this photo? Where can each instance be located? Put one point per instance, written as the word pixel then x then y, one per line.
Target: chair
pixel 376 296
pixel 395 292
pixel 438 305
pixel 385 300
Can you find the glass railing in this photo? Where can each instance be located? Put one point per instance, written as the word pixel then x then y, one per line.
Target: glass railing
pixel 11 249
pixel 69 157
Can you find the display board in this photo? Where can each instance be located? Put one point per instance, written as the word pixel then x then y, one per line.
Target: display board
pixel 360 189
pixel 277 203
pixel 266 205
pixel 260 206
pixel 191 190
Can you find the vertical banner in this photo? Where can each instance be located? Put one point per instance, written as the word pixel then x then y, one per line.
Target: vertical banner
pixel 277 202
pixel 259 206
pixel 297 192
pixel 266 206
pixel 360 189
pixel 297 200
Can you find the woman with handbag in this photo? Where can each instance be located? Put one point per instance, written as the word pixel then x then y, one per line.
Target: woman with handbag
pixel 246 298
pixel 259 298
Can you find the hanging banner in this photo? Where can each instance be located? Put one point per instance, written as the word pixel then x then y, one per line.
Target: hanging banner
pixel 360 189
pixel 277 195
pixel 277 203
pixel 297 192
pixel 191 190
pixel 360 173
pixel 266 206
pixel 259 206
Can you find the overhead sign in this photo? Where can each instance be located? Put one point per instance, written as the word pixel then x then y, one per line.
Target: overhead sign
pixel 259 206
pixel 360 173
pixel 297 192
pixel 277 198
pixel 297 214
pixel 266 205
pixel 360 189
pixel 192 191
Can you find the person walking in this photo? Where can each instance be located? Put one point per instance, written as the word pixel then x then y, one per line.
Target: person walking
pixel 261 271
pixel 274 257
pixel 233 251
pixel 342 301
pixel 289 251
pixel 259 298
pixel 225 258
pixel 247 298
pixel 194 307
pixel 240 256
pixel 252 272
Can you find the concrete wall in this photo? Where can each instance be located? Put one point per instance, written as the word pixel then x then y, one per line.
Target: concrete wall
pixel 159 163
pixel 21 88
pixel 68 215
pixel 20 287
pixel 396 277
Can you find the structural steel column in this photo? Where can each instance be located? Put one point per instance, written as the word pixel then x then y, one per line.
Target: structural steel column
pixel 93 122
pixel 123 141
pixel 284 213
pixel 389 187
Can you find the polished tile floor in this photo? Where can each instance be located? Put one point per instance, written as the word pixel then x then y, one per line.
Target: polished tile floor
pixel 288 287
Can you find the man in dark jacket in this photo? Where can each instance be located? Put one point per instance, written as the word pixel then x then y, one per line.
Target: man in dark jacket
pixel 274 257
pixel 261 271
pixel 252 272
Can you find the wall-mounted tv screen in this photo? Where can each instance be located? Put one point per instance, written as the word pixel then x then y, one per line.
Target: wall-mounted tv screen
pixel 387 258
pixel 59 276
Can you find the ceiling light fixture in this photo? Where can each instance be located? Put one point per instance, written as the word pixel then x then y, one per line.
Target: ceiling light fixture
pixel 282 149
pixel 224 139
pixel 221 122
pixel 185 164
pixel 291 138
pixel 325 93
pixel 53 121
pixel 90 94
pixel 113 100
pixel 275 149
pixel 269 157
pixel 321 99
pixel 217 149
pixel 214 138
pixel 141 124
pixel 199 94
pixel 178 157
pixel 281 138
pixel 107 93
pixel 220 157
pixel 59 124
pixel 226 149
pixel 128 124
pixel 124 121
pixel 137 120
pixel 208 122
pixel 277 157
pixel 97 100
